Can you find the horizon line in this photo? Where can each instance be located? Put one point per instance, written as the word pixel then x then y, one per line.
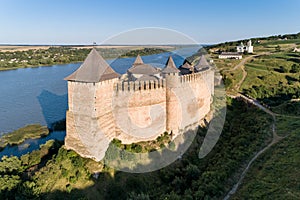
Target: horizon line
pixel 3 44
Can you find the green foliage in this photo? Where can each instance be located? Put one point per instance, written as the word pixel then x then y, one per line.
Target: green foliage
pixel 141 196
pixel 18 136
pixel 268 78
pixel 54 172
pixel 8 183
pixel 64 54
pixel 34 58
pixel 275 175
pixel 295 68
pixel 140 147
pixel 143 52
pixel 246 131
pixel 227 82
pixel 288 108
pixel 273 79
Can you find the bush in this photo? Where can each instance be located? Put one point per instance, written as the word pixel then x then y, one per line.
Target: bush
pixel 295 68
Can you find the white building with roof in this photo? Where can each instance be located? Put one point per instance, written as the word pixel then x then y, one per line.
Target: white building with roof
pixel 230 55
pixel 245 48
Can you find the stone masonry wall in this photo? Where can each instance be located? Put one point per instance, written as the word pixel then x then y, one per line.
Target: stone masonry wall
pixel 134 111
pixel 140 111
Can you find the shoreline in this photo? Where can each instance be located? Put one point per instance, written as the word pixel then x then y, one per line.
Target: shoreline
pixel 18 136
pixel 131 48
pixel 14 48
pixel 36 66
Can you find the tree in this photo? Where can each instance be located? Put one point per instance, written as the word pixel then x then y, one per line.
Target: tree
pixel 295 68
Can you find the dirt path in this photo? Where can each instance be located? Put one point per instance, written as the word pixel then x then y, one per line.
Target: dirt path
pixel 275 139
pixel 242 66
pixel 238 85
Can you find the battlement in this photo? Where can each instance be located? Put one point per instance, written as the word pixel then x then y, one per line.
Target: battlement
pixel 105 82
pixel 195 76
pixel 103 106
pixel 123 86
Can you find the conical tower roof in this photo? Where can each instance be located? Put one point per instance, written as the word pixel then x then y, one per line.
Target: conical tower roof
pixel 138 60
pixel 186 65
pixel 202 63
pixel 139 67
pixel 170 67
pixel 93 69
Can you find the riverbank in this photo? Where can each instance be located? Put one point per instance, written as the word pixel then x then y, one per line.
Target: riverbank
pixel 32 131
pixel 29 57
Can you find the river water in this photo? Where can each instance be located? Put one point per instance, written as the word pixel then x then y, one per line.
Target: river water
pixel 39 95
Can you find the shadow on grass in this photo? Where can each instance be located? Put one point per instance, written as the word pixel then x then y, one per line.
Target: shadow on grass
pixel 246 131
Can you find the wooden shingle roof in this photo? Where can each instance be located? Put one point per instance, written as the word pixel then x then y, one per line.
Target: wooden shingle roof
pixel 138 60
pixel 138 67
pixel 202 64
pixel 170 67
pixel 93 69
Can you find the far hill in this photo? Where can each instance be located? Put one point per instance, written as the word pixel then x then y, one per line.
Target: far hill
pixel 259 42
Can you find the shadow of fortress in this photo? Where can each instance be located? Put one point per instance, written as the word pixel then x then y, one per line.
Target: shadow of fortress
pixel 54 109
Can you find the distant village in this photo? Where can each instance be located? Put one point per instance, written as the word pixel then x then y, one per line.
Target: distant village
pixel 240 49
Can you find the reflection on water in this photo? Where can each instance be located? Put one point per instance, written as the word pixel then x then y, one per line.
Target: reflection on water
pixel 22 91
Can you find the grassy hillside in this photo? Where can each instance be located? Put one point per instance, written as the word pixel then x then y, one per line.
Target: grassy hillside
pixel 271 75
pixel 276 175
pixel 53 171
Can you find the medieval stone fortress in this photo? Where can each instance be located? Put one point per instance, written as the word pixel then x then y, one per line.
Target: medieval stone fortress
pixel 137 106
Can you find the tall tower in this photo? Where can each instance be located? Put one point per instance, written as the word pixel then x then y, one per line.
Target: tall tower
pixel 249 47
pixel 249 43
pixel 171 74
pixel 90 93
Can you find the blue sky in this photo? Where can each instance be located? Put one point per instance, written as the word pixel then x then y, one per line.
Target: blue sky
pixel 85 21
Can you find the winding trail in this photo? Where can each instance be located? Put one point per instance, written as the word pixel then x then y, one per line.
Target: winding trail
pixel 275 139
pixel 242 66
pixel 256 103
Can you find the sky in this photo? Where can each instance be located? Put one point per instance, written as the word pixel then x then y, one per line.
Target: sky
pixel 88 21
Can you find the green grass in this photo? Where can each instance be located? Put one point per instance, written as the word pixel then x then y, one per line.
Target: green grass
pixel 32 131
pixel 278 42
pixel 53 173
pixel 64 55
pixel 143 147
pixel 256 66
pixel 270 78
pixel 287 125
pixel 288 108
pixel 258 77
pixel 232 78
pixel 275 174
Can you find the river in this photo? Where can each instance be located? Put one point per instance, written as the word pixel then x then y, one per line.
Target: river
pixel 39 95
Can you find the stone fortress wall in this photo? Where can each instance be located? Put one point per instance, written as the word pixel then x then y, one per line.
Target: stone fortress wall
pixel 134 111
pixel 103 106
